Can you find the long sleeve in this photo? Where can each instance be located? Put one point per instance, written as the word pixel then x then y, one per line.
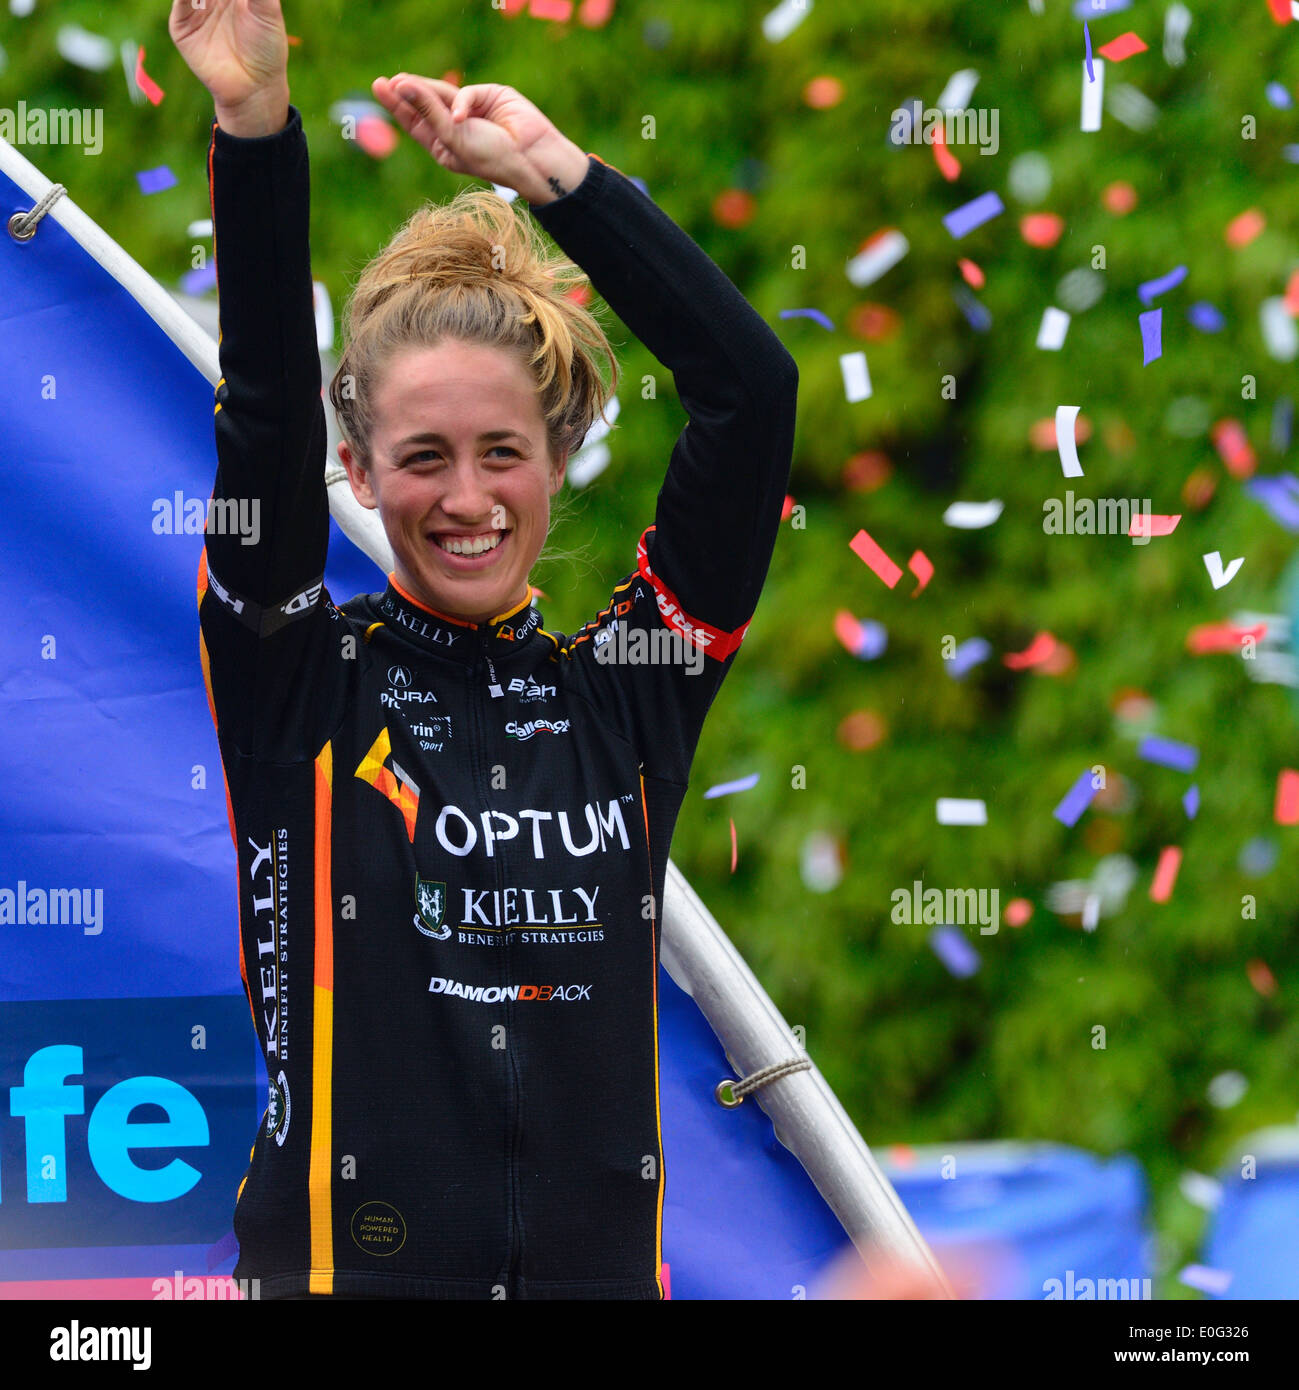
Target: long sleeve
pixel 264 612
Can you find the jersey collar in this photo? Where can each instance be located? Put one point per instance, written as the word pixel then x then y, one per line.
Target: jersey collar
pixel 456 637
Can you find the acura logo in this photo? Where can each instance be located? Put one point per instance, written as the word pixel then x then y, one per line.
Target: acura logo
pixel 398 675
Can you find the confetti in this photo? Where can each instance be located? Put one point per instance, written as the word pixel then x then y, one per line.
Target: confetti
pixel 744 784
pixel 1215 1281
pixel 1282 423
pixel 1038 650
pixel 1092 96
pixel 779 23
pixel 1280 335
pixel 323 309
pixel 963 220
pixel 1090 8
pixel 1076 800
pixel 1152 289
pixel 1066 417
pixel 973 276
pixel 921 566
pixel 559 10
pixel 1170 860
pixel 146 83
pixel 1292 293
pixel 1240 231
pixel 734 848
pixel 1227 1089
pixel 1153 524
pixel 808 314
pixel 1290 153
pixel 967 656
pixel 865 640
pixel 870 554
pixel 1041 228
pixel 1258 857
pixel 1177 20
pixel 595 14
pixel 84 49
pixel 1233 448
pixel 1119 198
pixel 1130 106
pixel 955 952
pixel 787 508
pixel 948 164
pixel 976 315
pixel 1205 317
pixel 200 228
pixel 376 136
pixel 1087 34
pixel 1278 96
pixel 856 376
pixel 196 282
pixel 954 810
pixel 1278 494
pixel 1168 752
pixel 1080 289
pixel 1125 46
pixel 21 8
pixel 861 730
pixel 156 180
pixel 1152 346
pixel 1221 637
pixel 1219 577
pixel 1018 913
pixel 1261 977
pixel 1191 802
pixel 1286 811
pixel 1280 10
pixel 956 95
pixel 821 862
pixel 1054 327
pixel 973 516
pixel 1091 913
pixel 881 253
pixel 1030 177
pixel 1200 1191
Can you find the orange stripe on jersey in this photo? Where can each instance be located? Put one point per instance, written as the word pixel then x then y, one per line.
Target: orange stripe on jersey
pixel 658 1108
pixel 321 1173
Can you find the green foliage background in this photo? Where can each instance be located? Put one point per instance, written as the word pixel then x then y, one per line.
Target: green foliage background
pixel 914 1054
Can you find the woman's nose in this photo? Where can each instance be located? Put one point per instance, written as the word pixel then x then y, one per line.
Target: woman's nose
pixel 466 494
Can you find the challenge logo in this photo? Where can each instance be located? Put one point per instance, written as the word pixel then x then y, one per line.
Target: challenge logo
pixel 431 899
pixel 492 994
pixel 536 726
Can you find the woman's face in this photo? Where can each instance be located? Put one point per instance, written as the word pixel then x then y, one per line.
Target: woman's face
pixel 439 479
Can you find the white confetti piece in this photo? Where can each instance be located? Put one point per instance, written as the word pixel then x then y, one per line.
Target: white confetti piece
pixel 972 516
pixel 1207 1280
pixel 856 376
pixel 22 8
pixel 1092 94
pixel 1133 108
pixel 1066 439
pixel 779 23
pixel 588 464
pixel 130 51
pixel 84 49
pixel 1227 1089
pixel 1200 1191
pixel 1217 575
pixel 960 88
pixel 200 228
pixel 1177 20
pixel 881 254
pixel 324 311
pixel 953 810
pixel 1280 335
pixel 1055 325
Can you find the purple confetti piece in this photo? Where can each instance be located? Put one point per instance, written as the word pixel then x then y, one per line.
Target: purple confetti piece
pixel 1278 496
pixel 1278 96
pixel 1152 346
pixel 1290 153
pixel 726 788
pixel 808 314
pixel 973 214
pixel 1168 753
pixel 1205 317
pixel 1282 422
pixel 199 281
pixel 874 640
pixel 977 315
pixel 156 180
pixel 1207 1280
pixel 954 951
pixel 1089 9
pixel 967 656
pixel 1087 34
pixel 1191 802
pixel 1152 289
pixel 1076 800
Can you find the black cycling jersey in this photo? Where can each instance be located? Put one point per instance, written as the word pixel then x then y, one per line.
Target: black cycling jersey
pixel 452 837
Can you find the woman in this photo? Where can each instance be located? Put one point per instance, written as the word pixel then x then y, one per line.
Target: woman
pixel 453 825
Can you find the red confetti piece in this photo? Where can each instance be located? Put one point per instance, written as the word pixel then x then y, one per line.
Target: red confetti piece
pixel 293 40
pixel 1287 797
pixel 867 471
pixel 376 137
pixel 734 851
pixel 1123 47
pixel 1233 447
pixel 1041 228
pixel 1280 10
pixel 848 630
pixel 1198 489
pixel 1261 978
pixel 870 554
pixel 1037 651
pixel 1292 294
pixel 862 730
pixel 1221 637
pixel 1243 229
pixel 1170 860
pixel 902 1155
pixel 1042 433
pixel 787 510
pixel 974 277
pixel 874 322
pixel 733 207
pixel 1119 198
pixel 146 83
pixel 559 10
pixel 1152 525
pixel 922 567
pixel 948 164
pixel 595 14
pixel 823 92
pixel 1018 912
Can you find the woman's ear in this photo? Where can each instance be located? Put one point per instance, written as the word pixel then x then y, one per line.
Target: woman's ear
pixel 557 473
pixel 357 476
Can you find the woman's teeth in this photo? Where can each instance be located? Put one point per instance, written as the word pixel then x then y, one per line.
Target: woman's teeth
pixel 480 545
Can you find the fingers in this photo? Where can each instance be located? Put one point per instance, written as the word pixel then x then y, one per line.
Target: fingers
pixel 421 111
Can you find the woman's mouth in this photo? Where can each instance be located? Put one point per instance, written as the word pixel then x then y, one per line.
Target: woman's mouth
pixel 464 551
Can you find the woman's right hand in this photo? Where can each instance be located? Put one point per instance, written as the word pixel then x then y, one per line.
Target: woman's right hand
pixel 239 50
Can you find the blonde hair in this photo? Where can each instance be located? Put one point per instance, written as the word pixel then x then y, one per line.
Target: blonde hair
pixel 475 271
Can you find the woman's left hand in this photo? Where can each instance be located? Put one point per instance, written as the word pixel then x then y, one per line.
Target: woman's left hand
pixel 487 130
